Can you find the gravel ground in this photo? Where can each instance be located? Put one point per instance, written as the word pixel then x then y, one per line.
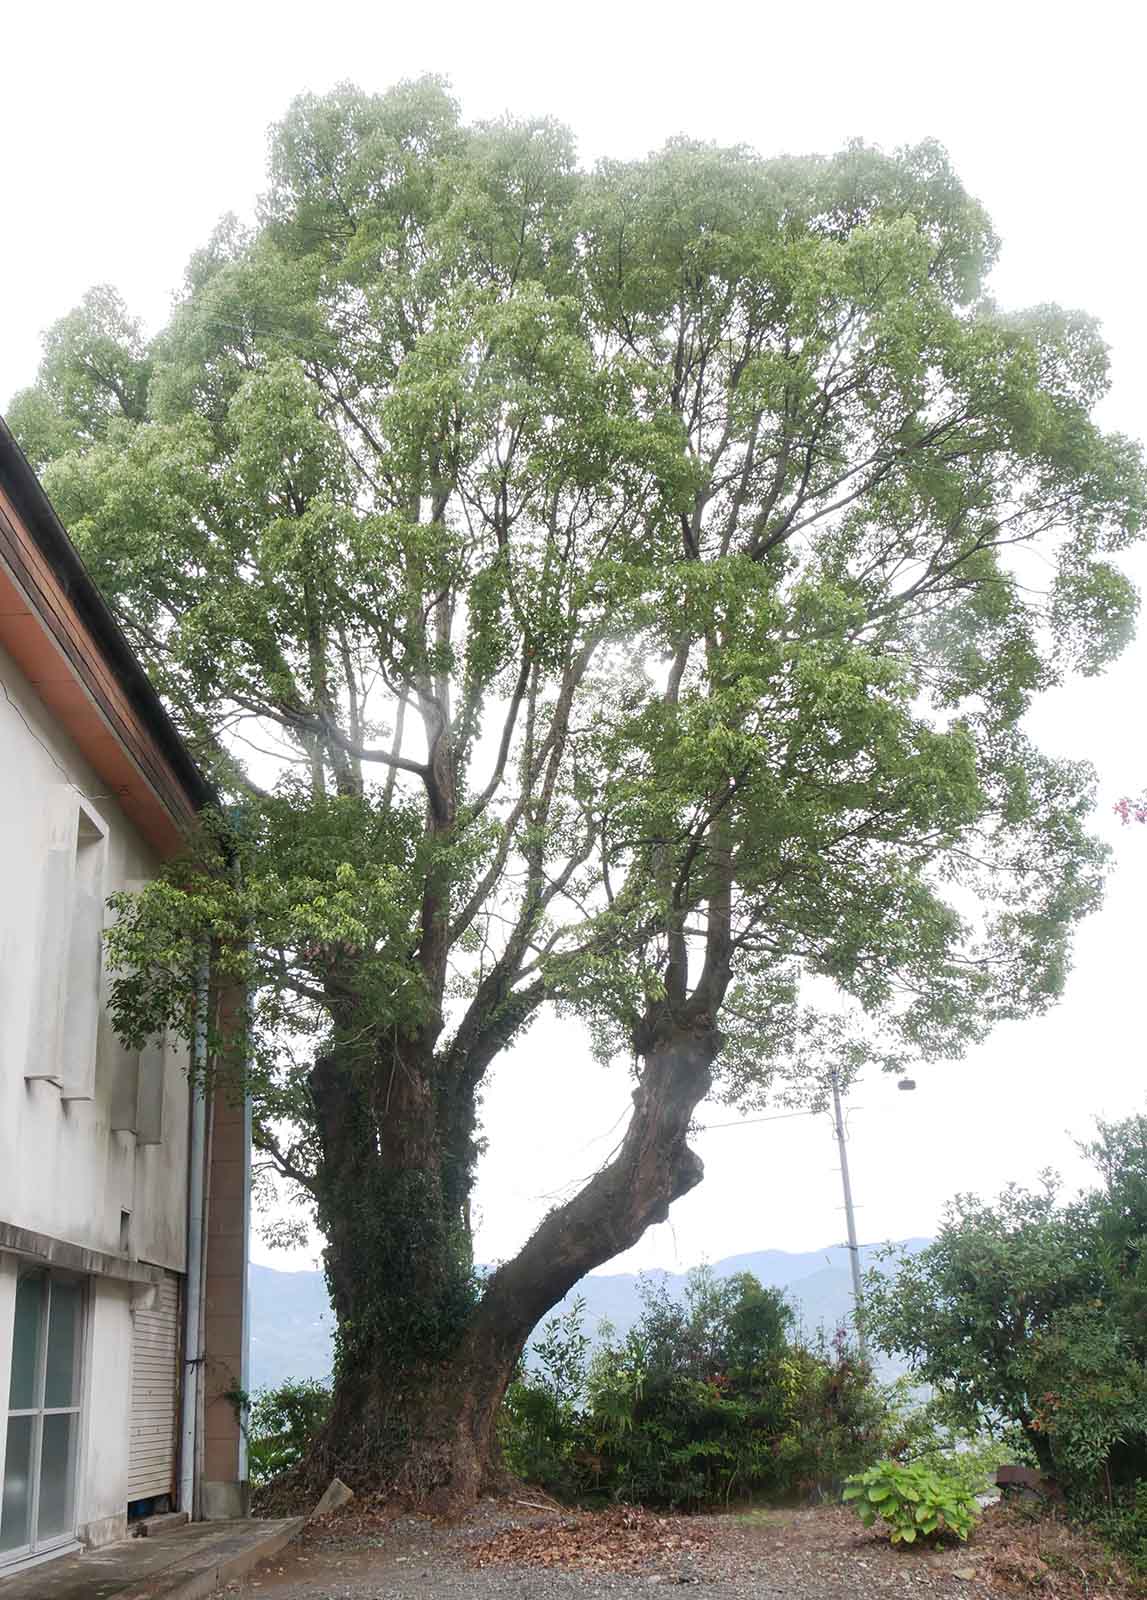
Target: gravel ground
pixel 814 1554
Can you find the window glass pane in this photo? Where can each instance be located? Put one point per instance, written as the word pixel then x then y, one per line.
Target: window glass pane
pixel 16 1506
pixel 25 1341
pixel 61 1372
pixel 55 1511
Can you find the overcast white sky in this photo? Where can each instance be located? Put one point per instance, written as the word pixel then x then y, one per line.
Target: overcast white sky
pixel 128 129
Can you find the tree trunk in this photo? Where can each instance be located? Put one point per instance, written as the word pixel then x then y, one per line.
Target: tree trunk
pixel 398 1261
pixel 654 1167
pixel 420 1376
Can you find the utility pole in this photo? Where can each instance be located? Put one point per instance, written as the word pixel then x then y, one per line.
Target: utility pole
pixel 850 1217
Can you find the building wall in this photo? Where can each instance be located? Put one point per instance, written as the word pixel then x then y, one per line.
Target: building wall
pixel 64 1170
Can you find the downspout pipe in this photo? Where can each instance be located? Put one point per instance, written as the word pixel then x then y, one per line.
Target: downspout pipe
pixel 245 1377
pixel 193 1307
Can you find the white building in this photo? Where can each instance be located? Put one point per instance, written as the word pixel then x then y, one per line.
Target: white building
pixel 123 1195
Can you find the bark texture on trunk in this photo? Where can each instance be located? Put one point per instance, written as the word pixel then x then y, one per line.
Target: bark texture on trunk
pixel 417 1413
pixel 395 1162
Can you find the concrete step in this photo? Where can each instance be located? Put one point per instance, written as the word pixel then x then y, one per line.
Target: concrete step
pixel 187 1563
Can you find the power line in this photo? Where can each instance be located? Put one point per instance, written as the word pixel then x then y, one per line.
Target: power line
pixel 748 1122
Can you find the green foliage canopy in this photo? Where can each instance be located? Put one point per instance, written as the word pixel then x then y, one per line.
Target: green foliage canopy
pixel 620 590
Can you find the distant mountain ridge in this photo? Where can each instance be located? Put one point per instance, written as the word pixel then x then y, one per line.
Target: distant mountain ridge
pixel 292 1324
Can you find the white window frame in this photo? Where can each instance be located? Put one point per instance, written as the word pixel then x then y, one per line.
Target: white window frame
pixel 64 1024
pixel 28 1555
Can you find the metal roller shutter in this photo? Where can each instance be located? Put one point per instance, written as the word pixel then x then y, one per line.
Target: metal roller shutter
pixel 154 1394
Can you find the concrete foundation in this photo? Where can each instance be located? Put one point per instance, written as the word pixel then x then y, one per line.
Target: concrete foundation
pixel 225 1500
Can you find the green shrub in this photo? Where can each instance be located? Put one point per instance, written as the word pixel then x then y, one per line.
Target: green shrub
pixel 1121 1519
pixel 541 1428
pixel 281 1424
pixel 1030 1314
pixel 934 1435
pixel 836 1417
pixel 914 1501
pixel 706 1399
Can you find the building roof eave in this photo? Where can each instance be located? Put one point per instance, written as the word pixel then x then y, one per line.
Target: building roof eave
pixel 47 580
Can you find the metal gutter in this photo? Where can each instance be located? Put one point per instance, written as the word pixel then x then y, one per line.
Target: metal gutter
pixel 245 1368
pixel 189 1445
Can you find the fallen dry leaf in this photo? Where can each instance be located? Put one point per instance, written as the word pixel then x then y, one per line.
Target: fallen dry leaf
pixel 622 1540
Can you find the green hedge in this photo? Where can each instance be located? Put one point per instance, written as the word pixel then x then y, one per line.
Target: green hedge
pixel 708 1399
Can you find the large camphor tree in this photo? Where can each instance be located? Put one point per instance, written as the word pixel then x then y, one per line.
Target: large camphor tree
pixel 617 592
